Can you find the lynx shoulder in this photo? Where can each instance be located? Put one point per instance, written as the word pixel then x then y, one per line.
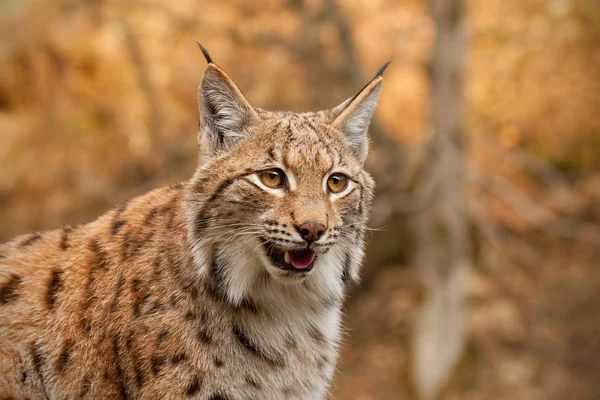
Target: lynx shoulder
pixel 226 286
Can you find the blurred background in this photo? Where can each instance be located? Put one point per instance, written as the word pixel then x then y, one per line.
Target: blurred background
pixel 483 270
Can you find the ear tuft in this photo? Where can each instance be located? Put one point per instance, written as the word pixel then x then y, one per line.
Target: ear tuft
pixel 205 53
pixel 381 70
pixel 354 115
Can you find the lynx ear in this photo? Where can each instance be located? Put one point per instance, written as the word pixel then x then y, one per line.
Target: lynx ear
pixel 224 111
pixel 353 116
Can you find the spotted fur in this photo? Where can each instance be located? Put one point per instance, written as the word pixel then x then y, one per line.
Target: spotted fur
pixel 173 295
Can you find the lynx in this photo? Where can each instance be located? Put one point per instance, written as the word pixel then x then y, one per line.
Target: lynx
pixel 226 286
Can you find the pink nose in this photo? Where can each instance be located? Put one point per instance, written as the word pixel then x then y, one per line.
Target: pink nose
pixel 311 231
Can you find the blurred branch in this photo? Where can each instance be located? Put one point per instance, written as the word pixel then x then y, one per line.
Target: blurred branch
pixel 175 18
pixel 428 173
pixel 442 250
pixel 517 250
pixel 181 21
pixel 541 167
pixel 155 123
pixel 534 213
pixel 537 165
pixel 380 138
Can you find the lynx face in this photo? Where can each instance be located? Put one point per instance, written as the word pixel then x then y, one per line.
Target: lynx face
pixel 297 194
pixel 288 195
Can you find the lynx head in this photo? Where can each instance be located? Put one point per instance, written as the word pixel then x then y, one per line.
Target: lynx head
pixel 279 195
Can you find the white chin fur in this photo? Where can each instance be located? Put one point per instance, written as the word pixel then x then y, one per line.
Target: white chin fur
pixel 245 276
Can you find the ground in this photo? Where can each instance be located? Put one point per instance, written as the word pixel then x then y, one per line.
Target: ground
pixel 534 331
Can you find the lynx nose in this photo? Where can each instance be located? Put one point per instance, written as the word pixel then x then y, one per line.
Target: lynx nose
pixel 311 231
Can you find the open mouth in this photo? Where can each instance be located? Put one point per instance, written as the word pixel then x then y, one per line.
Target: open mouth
pixel 296 261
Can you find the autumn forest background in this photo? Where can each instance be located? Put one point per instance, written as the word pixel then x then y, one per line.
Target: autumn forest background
pixel 483 269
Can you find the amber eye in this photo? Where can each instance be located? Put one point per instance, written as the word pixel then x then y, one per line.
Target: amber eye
pixel 273 178
pixel 337 182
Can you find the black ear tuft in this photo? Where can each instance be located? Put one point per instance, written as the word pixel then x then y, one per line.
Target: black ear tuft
pixel 205 52
pixel 381 70
pixel 354 115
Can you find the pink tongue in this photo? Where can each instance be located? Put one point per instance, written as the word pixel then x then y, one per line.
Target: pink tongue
pixel 301 259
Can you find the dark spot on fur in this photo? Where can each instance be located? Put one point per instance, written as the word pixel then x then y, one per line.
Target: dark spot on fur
pixel 316 334
pixel 99 262
pixel 230 214
pixel 193 387
pixel 139 376
pixel 54 286
pixel 175 301
pixel 217 286
pixel 200 223
pixel 224 185
pixel 132 244
pixel 322 362
pixel 36 355
pixel 38 364
pixel 177 186
pixel 118 368
pixel 162 336
pixel 252 347
pixel 85 386
pixel 141 296
pixel 117 225
pixel 31 239
pixel 330 302
pixel 157 363
pixel 64 238
pixel 347 264
pixel 129 246
pixel 156 306
pixel 247 304
pixel 219 396
pixel 101 258
pixel 218 362
pixel 361 196
pixel 118 291
pixel 151 215
pixel 169 210
pixel 64 356
pixel 23 376
pixel 191 287
pixel 10 290
pixel 178 358
pixel 252 382
pixel 86 324
pixel 157 268
pixel 134 356
pixel 291 342
pixel 190 315
pixel 120 210
pixel 204 336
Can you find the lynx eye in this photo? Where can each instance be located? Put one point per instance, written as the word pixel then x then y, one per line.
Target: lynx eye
pixel 273 178
pixel 337 182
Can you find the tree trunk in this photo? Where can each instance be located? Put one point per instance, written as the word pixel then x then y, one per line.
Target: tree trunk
pixel 442 247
